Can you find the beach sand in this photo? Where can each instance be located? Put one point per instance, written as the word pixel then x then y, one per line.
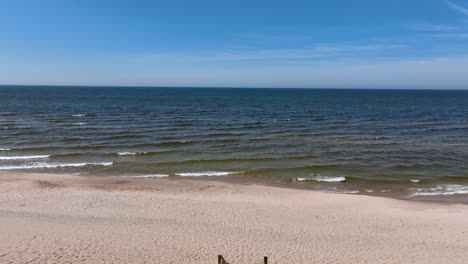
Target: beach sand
pixel 71 219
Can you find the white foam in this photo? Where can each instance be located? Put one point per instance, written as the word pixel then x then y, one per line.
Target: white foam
pixel 149 176
pixel 4 149
pixel 303 179
pixel 79 124
pixel 24 157
pixel 322 179
pixel 79 115
pixel 415 181
pixel 329 179
pixel 350 192
pixel 42 165
pixel 206 173
pixel 449 189
pixel 130 153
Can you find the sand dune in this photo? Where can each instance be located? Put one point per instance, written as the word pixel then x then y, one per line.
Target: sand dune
pixel 69 219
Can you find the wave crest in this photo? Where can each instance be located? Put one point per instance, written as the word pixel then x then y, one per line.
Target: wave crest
pixel 131 153
pixel 24 157
pixel 51 165
pixel 323 179
pixel 449 189
pixel 206 173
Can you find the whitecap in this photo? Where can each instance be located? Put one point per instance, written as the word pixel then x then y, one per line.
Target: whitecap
pixel 329 179
pixel 79 115
pixel 415 181
pixel 449 189
pixel 23 157
pixel 322 179
pixel 130 153
pixel 206 173
pixel 52 165
pixel 4 149
pixel 79 124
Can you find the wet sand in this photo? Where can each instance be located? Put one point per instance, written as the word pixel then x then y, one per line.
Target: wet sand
pixel 48 218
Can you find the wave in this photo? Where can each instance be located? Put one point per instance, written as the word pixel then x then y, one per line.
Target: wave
pixel 449 189
pixel 71 155
pixel 82 115
pixel 231 160
pixel 207 173
pixel 323 179
pixel 202 161
pixel 148 176
pixel 4 149
pixel 107 154
pixel 172 143
pixel 49 165
pixel 131 153
pixel 24 157
pixel 308 168
pixel 78 124
pixel 8 114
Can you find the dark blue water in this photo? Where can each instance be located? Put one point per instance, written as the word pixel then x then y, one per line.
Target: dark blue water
pixel 410 142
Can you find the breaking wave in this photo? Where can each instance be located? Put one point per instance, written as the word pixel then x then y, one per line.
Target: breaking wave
pixel 51 165
pixel 206 173
pixel 449 189
pixel 131 153
pixel 24 157
pixel 323 179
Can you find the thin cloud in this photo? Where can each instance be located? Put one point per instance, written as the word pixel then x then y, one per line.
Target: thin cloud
pixel 452 35
pixel 458 8
pixel 319 52
pixel 435 27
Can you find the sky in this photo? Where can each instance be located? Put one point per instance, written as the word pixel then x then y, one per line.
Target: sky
pixel 413 44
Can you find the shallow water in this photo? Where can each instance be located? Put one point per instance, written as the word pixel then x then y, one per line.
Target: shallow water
pixel 414 143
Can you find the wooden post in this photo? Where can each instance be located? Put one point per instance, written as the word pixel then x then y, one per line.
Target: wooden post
pixel 221 260
pixel 265 260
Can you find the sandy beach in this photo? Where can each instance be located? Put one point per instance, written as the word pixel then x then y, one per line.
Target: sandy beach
pixel 70 219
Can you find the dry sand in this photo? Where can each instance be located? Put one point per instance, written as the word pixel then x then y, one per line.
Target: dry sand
pixel 70 219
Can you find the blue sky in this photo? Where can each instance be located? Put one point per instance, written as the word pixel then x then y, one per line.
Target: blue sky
pixel 316 44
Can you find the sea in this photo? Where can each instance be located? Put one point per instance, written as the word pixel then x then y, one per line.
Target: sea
pixel 409 144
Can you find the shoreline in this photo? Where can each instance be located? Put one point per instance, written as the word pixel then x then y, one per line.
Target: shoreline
pixel 59 218
pixel 291 183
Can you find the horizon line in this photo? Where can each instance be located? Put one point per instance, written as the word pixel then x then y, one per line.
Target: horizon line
pixel 227 87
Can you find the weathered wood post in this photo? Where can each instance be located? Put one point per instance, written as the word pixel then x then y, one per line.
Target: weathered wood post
pixel 221 260
pixel 265 260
